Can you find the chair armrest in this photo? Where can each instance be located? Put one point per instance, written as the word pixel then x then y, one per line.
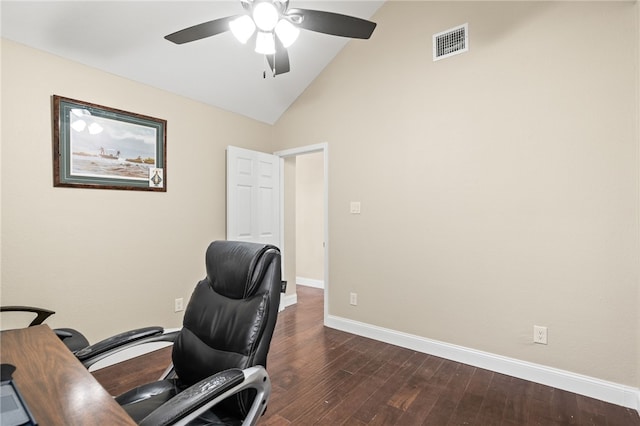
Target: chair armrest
pixel 195 400
pixel 107 347
pixel 41 314
pixel 62 334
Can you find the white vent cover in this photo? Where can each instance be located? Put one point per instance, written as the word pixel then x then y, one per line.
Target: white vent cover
pixel 450 42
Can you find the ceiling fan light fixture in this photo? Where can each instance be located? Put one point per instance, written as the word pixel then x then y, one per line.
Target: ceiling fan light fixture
pixel 287 32
pixel 275 28
pixel 265 43
pixel 242 28
pixel 265 15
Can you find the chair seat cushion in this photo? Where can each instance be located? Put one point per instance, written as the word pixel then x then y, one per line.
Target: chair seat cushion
pixel 141 401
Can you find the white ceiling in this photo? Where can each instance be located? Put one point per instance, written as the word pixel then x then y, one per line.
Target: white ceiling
pixel 126 38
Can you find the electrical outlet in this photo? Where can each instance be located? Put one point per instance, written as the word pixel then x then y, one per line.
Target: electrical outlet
pixel 353 299
pixel 540 334
pixel 178 305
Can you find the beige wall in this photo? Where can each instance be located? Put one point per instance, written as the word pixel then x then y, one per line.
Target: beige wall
pixel 108 260
pixel 499 188
pixel 310 216
pixel 638 136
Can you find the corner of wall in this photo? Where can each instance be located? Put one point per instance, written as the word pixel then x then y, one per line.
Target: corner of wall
pixel 637 5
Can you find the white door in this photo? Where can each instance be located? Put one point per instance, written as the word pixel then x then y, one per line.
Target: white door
pixel 253 196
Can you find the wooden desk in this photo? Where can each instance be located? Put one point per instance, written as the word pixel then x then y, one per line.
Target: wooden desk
pixel 57 388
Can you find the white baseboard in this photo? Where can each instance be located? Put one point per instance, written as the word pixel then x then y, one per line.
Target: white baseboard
pixel 309 282
pixel 614 393
pixel 288 300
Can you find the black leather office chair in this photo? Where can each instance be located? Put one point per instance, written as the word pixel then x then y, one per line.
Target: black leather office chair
pixel 220 354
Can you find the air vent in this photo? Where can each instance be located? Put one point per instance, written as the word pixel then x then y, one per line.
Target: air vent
pixel 450 42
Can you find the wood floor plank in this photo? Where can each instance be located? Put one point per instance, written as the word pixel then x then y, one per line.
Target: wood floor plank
pixel 405 394
pixel 421 407
pixel 590 411
pixel 328 377
pixel 368 409
pixel 429 367
pixel 564 407
pixel 367 381
pixel 469 406
pixel 493 405
pixel 276 420
pixel 324 397
pixel 451 395
pixel 516 407
pixel 121 377
pixel 386 415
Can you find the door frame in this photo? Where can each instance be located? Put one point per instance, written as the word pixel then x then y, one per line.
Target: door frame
pixel 293 152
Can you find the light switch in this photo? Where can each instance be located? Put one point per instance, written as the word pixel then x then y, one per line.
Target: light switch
pixel 355 207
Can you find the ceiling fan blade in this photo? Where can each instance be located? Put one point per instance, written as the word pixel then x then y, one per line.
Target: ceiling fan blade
pixel 279 62
pixel 200 31
pixel 333 23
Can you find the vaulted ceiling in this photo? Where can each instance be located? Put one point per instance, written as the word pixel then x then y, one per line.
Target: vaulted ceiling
pixel 126 38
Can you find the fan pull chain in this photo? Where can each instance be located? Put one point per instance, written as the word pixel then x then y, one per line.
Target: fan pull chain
pixel 273 71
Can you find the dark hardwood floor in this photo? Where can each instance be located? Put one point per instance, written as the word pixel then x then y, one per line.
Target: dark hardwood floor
pixel 328 377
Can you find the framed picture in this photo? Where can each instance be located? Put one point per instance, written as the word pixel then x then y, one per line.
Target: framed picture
pixel 100 147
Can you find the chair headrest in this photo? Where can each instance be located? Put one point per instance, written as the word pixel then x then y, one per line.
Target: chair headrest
pixel 235 268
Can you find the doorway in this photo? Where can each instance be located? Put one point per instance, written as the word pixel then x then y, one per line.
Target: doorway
pixel 289 209
pixel 309 177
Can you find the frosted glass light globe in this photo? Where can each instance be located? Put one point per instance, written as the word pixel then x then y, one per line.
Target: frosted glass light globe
pixel 265 16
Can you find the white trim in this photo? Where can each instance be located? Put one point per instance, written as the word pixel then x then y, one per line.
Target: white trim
pixel 614 393
pixel 301 150
pixel 325 151
pixel 309 282
pixel 289 300
pixel 282 245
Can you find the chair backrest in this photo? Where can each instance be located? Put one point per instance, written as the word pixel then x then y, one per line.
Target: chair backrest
pixel 229 320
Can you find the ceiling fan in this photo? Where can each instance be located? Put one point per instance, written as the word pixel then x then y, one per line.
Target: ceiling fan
pixel 275 27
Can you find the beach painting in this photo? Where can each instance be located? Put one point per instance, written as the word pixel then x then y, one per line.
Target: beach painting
pixel 101 147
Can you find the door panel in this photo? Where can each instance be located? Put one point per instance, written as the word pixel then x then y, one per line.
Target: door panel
pixel 253 196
